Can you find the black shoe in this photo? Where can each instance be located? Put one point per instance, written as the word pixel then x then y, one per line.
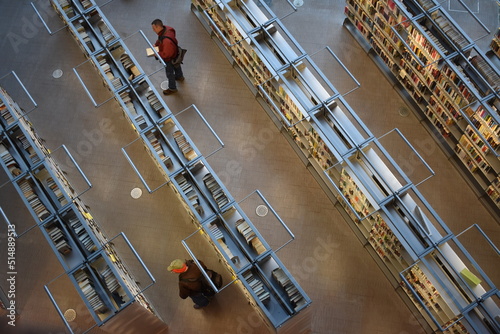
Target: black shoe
pixel 181 79
pixel 197 307
pixel 169 91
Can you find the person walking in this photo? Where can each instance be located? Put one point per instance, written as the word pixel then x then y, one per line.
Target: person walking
pixel 190 281
pixel 167 49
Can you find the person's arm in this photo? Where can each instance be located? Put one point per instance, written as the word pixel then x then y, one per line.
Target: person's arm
pixel 183 291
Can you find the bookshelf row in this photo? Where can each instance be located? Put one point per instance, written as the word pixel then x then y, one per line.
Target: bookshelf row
pixel 379 201
pixel 93 265
pixel 445 76
pixel 209 204
pixel 264 280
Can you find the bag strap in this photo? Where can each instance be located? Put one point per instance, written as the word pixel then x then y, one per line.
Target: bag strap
pixel 162 37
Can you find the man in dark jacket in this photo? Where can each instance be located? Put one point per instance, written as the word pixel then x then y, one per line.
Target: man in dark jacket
pixel 167 49
pixel 190 281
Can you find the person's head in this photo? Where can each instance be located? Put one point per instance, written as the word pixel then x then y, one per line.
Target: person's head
pixel 177 266
pixel 157 25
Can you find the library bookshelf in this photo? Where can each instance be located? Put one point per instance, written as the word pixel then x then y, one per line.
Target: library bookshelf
pixel 253 264
pixel 452 84
pixel 90 260
pixel 423 260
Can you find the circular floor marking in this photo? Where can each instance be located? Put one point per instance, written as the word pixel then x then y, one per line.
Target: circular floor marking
pixel 57 73
pixel 298 3
pixel 164 85
pixel 136 193
pixel 403 112
pixel 261 210
pixel 70 315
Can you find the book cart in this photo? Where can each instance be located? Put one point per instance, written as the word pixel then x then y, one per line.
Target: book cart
pixel 92 265
pixel 441 72
pixel 427 265
pixel 186 171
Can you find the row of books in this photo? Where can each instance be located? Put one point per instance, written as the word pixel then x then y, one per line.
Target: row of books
pixel 385 243
pixel 426 4
pixel 9 161
pixel 489 73
pixel 190 192
pixel 67 7
pixel 87 286
pixel 250 236
pixel 157 146
pixel 107 34
pixel 257 286
pixel 108 72
pixel 354 195
pixel 154 102
pixel 52 185
pixel 185 147
pixel 129 66
pixel 129 104
pixel 33 200
pixel 86 3
pixel 294 295
pixel 495 43
pixel 83 34
pixel 127 100
pixel 424 288
pixel 109 279
pixel 6 114
pixel 219 236
pixel 26 145
pixel 59 239
pixel 216 190
pixel 450 31
pixel 82 234
pixel 443 92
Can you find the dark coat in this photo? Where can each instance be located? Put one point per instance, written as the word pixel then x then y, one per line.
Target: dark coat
pixel 190 280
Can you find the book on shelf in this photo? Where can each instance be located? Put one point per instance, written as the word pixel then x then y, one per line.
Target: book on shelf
pixel 59 239
pixel 215 190
pixel 294 295
pixel 250 236
pixel 257 287
pixel 86 284
pixel 185 147
pixel 190 192
pixel 9 161
pixel 82 234
pixel 27 188
pixel 6 114
pixel 106 32
pixel 26 145
pixel 154 101
pixel 129 66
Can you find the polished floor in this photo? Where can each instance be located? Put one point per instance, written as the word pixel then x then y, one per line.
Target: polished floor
pixel 349 293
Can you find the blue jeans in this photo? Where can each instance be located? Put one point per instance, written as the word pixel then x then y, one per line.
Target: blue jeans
pixel 200 300
pixel 172 73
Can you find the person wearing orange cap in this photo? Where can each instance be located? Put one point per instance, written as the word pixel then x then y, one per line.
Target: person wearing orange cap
pixel 190 281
